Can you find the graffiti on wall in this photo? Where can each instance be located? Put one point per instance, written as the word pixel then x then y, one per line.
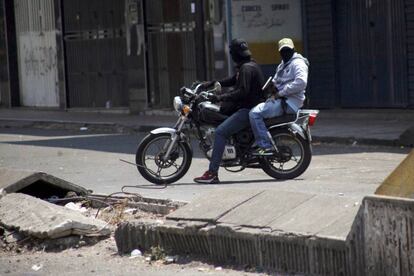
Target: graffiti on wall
pixel 38 69
pixel 39 60
pixel 254 17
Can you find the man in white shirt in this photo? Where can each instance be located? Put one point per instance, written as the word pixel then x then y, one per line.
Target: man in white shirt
pixel 288 94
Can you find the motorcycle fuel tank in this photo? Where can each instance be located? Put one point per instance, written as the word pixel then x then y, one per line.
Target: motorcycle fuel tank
pixel 210 113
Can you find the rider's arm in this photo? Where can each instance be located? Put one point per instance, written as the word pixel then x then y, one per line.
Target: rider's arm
pixel 300 70
pixel 230 81
pixel 246 74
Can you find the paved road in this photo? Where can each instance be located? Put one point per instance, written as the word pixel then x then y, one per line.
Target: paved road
pixel 92 160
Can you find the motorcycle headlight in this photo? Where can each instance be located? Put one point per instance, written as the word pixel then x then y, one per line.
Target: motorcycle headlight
pixel 178 104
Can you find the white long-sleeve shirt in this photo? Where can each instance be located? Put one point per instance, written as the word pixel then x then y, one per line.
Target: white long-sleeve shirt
pixel 291 79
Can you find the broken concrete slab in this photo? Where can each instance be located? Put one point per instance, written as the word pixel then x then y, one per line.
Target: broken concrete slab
pixel 214 205
pixel 265 208
pixel 39 183
pixel 315 215
pixel 41 219
pixel 276 210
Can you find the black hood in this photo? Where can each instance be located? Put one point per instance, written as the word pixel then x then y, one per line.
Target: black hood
pixel 239 50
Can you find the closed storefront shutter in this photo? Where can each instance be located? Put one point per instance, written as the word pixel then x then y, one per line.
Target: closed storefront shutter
pixel 320 46
pixel 409 15
pixel 96 53
pixel 372 53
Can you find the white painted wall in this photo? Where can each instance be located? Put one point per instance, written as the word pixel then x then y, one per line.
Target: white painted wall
pixel 37 53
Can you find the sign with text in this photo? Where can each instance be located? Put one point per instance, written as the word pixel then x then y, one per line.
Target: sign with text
pixel 263 22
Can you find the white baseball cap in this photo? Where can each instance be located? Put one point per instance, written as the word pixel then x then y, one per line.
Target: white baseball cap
pixel 286 42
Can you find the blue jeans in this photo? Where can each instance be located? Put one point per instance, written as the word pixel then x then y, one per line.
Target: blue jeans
pixel 269 109
pixel 233 124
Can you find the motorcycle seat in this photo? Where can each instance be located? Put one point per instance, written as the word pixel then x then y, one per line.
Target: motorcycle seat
pixel 287 118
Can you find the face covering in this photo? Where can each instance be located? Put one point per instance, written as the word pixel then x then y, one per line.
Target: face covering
pixel 286 54
pixel 236 57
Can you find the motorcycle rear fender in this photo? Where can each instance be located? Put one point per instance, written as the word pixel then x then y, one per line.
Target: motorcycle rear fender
pixel 295 129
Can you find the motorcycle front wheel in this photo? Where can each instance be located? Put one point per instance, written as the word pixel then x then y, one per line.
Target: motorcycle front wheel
pixel 151 164
pixel 293 159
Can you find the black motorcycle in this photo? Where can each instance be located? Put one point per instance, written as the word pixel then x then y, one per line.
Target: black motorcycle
pixel 165 154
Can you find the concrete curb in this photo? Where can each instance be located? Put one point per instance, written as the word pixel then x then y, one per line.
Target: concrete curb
pixel 379 243
pixel 225 244
pixel 118 128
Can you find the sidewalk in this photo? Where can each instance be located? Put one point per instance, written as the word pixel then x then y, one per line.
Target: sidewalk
pixel 376 127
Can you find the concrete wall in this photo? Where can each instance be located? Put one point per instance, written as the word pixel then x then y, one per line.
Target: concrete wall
pixel 37 53
pixel 381 239
pixel 4 74
pixel 380 243
pixel 284 252
pixel 389 234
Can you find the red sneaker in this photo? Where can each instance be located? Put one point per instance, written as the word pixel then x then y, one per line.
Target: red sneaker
pixel 208 178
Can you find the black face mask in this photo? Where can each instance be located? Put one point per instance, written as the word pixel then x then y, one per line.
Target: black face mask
pixel 286 54
pixel 236 57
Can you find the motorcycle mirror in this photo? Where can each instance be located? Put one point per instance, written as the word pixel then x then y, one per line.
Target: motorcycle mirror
pixel 217 86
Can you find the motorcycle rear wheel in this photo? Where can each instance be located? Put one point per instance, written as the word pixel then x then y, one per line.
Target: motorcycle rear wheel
pixel 150 163
pixel 296 155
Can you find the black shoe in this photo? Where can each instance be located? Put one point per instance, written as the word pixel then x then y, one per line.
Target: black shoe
pixel 263 152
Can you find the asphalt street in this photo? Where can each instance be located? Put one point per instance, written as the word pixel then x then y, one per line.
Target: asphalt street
pixel 92 160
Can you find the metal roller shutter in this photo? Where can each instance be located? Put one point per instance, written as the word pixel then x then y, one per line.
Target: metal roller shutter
pixel 409 15
pixel 320 52
pixel 372 53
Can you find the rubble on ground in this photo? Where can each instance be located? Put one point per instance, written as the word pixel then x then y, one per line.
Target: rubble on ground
pixel 14 239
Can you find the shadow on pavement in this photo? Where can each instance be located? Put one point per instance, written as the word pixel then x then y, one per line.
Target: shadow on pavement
pixel 128 143
pixel 231 182
pixel 222 183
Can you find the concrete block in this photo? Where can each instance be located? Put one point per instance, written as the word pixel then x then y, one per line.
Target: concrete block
pixel 42 219
pixel 388 234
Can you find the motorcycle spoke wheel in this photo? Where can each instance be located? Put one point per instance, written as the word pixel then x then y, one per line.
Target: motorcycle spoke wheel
pixel 291 153
pixel 293 158
pixel 154 163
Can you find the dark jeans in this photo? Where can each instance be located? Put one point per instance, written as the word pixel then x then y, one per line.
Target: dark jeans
pixel 233 124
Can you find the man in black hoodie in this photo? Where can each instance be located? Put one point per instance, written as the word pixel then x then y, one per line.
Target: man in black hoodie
pixel 247 93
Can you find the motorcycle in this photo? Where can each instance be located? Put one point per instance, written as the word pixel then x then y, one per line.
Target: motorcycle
pixel 165 154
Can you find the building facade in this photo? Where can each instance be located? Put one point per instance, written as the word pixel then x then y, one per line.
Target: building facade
pixel 136 54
